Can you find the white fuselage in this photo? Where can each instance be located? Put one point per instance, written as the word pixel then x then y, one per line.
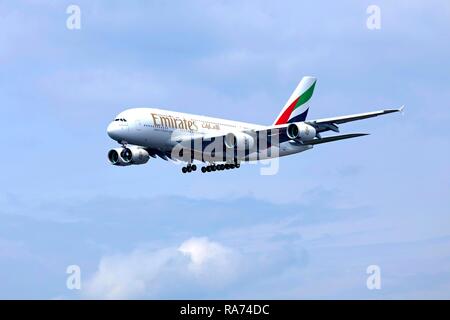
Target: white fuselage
pixel 162 129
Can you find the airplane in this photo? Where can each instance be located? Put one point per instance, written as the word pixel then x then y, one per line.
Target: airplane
pixel 220 144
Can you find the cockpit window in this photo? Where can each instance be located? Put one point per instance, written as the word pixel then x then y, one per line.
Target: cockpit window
pixel 120 119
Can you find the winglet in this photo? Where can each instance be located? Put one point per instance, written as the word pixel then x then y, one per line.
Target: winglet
pixel 401 109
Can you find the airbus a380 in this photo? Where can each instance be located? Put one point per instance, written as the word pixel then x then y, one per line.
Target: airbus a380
pixel 223 144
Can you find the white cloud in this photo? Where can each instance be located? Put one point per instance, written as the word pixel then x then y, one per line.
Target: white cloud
pixel 207 259
pixel 196 264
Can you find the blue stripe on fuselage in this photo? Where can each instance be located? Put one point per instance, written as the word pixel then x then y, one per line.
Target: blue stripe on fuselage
pixel 300 117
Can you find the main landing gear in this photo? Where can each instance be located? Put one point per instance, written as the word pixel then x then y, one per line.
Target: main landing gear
pixel 211 168
pixel 220 167
pixel 189 168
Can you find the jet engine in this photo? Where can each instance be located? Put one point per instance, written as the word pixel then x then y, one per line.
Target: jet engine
pixel 239 140
pixel 128 156
pixel 301 131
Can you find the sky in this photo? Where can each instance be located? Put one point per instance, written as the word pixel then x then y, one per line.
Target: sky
pixel 149 232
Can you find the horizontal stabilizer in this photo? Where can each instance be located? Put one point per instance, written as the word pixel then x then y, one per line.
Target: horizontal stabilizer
pixel 334 138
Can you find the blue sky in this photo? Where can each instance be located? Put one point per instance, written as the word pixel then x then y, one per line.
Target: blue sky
pixel 309 231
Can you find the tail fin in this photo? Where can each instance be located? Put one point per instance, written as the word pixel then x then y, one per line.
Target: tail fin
pixel 297 106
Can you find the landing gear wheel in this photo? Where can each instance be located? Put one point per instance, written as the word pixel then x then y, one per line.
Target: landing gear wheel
pixel 203 169
pixel 184 169
pixel 208 168
pixel 194 167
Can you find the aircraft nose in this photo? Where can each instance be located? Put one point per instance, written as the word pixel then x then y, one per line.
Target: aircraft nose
pixel 112 130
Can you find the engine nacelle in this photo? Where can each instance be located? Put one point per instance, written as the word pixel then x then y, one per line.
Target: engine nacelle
pixel 239 140
pixel 128 156
pixel 300 130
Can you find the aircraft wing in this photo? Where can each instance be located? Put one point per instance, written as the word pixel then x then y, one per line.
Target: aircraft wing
pixel 279 131
pixel 331 123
